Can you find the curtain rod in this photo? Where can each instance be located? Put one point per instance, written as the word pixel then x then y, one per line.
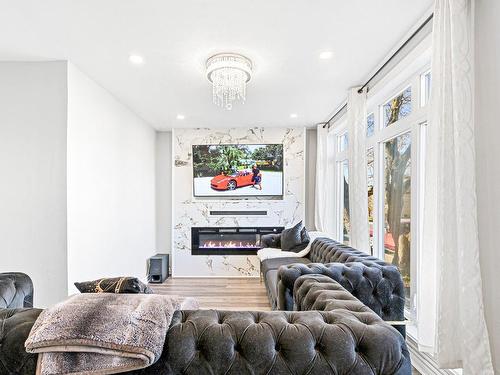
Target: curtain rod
pixel 398 51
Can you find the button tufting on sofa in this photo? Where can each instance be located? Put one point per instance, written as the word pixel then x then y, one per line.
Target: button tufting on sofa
pixel 16 290
pixel 295 344
pixel 15 325
pixel 374 282
pixel 213 342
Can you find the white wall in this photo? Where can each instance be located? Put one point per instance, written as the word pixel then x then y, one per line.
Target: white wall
pixel 33 175
pixel 488 165
pixel 111 184
pixel 310 177
pixel 164 192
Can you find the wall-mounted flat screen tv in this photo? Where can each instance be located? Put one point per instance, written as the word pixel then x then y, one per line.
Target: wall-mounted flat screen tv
pixel 237 170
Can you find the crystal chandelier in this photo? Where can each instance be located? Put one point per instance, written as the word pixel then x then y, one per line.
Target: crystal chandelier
pixel 229 74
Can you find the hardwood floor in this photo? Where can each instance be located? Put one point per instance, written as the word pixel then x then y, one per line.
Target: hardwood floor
pixel 219 293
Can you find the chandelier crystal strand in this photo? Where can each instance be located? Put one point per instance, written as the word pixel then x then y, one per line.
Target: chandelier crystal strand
pixel 229 74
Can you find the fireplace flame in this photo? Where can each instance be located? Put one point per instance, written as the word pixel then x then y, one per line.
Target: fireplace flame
pixel 228 244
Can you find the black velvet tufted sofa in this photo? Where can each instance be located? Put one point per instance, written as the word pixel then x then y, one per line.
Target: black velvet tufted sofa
pixel 307 342
pixel 345 338
pixel 17 316
pixel 16 290
pixel 374 282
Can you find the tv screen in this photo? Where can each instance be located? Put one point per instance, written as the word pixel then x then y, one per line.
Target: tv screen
pixel 237 170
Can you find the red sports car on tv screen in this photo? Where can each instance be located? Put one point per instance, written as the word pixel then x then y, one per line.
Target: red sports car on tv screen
pixel 232 181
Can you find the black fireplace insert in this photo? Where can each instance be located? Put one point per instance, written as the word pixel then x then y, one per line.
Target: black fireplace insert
pixel 228 240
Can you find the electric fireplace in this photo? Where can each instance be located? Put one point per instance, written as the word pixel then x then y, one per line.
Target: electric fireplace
pixel 228 240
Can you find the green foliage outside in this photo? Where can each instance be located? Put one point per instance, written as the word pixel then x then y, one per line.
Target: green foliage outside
pixel 212 160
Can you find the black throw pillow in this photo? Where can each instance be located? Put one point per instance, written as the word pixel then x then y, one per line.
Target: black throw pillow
pixel 291 237
pixel 304 241
pixel 271 240
pixel 131 285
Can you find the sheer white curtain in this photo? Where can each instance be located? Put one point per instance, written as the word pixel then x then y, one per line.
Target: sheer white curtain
pixel 324 206
pixel 358 195
pixel 451 323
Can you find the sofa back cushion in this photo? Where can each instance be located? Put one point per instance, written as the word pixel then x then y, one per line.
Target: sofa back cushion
pixel 326 250
pixel 276 342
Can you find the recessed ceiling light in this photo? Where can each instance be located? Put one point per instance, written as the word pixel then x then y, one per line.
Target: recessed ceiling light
pixel 294 115
pixel 325 55
pixel 136 59
pixel 180 117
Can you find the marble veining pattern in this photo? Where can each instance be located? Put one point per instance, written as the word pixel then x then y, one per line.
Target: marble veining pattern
pixel 189 211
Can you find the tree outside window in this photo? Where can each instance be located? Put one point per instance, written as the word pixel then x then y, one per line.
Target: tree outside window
pixel 370 168
pixel 346 226
pixel 397 208
pixel 398 107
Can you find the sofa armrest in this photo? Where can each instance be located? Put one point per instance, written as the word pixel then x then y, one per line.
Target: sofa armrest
pixel 16 290
pixel 378 287
pixel 15 326
pixel 333 342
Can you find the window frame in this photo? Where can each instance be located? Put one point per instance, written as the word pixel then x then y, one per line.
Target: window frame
pixel 340 157
pixel 381 114
pixel 375 222
pixel 425 88
pixel 410 71
pixel 414 123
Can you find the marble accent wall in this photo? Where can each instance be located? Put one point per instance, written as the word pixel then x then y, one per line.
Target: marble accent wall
pixel 189 211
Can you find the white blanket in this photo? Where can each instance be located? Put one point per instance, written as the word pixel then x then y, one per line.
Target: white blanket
pixel 270 253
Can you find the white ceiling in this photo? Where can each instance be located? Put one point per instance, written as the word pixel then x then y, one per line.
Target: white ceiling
pixel 282 37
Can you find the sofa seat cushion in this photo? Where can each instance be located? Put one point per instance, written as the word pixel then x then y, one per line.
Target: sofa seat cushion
pixel 15 326
pixel 269 253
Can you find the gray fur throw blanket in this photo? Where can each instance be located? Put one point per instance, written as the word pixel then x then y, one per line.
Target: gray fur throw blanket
pixel 103 333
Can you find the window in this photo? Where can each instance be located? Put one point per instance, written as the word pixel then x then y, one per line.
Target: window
pixel 370 125
pixel 394 164
pixel 343 222
pixel 370 168
pixel 346 222
pixel 425 88
pixel 343 142
pixel 398 107
pixel 397 205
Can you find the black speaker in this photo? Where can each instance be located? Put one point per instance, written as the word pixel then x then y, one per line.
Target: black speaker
pixel 158 268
